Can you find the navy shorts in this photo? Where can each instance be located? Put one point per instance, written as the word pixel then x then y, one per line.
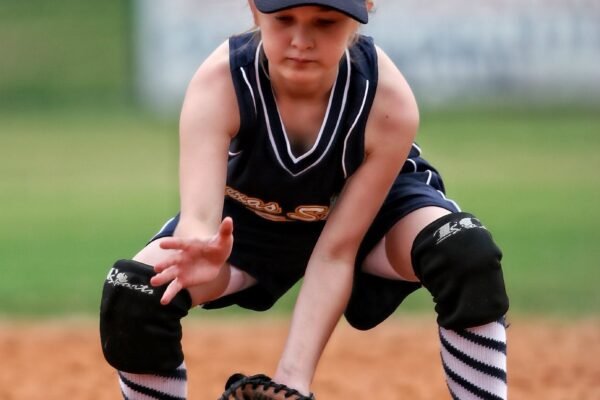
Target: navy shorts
pixel 277 256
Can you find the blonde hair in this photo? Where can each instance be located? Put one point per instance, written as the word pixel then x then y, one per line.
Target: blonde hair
pixel 356 36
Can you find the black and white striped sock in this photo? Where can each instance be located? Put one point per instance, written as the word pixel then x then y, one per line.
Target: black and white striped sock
pixel 167 386
pixel 474 360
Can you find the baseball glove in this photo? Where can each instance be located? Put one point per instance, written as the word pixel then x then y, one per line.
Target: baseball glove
pixel 259 387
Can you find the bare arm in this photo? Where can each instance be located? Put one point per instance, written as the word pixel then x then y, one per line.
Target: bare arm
pixel 209 119
pixel 327 285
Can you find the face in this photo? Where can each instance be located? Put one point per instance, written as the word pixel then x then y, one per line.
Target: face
pixel 305 44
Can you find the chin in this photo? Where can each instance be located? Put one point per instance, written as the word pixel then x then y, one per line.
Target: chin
pixel 306 76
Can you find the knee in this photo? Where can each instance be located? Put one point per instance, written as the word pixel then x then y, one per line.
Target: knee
pixel 138 334
pixel 456 259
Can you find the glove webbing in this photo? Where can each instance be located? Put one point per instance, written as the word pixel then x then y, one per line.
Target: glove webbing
pixel 239 382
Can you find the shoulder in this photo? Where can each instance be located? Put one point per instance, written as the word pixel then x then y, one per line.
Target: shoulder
pixel 242 49
pixel 211 92
pixel 394 116
pixel 214 70
pixel 363 56
pixel 364 48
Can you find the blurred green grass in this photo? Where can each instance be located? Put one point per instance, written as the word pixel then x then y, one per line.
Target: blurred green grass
pixel 64 52
pixel 78 190
pixel 81 188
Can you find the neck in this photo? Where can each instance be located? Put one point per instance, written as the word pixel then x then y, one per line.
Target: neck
pixel 316 89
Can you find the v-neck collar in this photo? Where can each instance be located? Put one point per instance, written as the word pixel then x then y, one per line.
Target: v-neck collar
pixel 276 129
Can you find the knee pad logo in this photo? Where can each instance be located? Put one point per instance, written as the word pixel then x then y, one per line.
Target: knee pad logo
pixel 117 278
pixel 452 228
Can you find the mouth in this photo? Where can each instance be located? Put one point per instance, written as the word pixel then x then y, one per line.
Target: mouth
pixel 300 60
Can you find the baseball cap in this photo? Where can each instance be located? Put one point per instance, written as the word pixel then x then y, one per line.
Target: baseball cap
pixel 356 9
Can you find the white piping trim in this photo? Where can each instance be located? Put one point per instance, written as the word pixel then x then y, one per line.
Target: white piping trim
pixel 455 204
pixel 429 177
pixel 413 162
pixel 164 225
pixel 262 99
pixel 316 143
pixel 362 106
pixel 418 149
pixel 343 107
pixel 249 87
pixel 270 131
pixel 325 120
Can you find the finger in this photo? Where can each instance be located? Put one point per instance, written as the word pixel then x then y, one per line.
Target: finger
pixel 171 291
pixel 226 227
pixel 224 236
pixel 173 244
pixel 175 259
pixel 166 276
pixel 160 267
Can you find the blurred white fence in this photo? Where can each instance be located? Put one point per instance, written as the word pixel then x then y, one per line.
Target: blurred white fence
pixel 449 50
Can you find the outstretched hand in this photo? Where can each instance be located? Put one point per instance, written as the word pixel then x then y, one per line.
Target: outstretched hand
pixel 196 261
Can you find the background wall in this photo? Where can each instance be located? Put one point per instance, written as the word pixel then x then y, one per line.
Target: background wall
pixel 457 50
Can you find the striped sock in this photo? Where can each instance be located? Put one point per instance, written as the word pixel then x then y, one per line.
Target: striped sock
pixel 167 386
pixel 474 360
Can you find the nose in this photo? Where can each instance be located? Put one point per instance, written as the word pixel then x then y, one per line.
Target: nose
pixel 302 38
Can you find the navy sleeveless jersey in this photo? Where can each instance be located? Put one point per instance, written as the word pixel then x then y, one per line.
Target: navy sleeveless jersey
pixel 264 177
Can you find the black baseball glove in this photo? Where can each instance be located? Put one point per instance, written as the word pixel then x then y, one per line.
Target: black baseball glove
pixel 259 387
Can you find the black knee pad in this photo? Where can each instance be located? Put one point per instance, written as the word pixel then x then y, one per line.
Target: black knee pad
pixel 138 334
pixel 458 262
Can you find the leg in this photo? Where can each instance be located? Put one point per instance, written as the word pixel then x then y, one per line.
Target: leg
pixel 380 287
pixel 454 257
pixel 391 256
pixel 140 337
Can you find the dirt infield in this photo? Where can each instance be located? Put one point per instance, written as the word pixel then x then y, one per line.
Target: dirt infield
pixel 549 360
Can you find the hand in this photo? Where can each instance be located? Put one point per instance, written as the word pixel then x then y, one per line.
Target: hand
pixel 196 261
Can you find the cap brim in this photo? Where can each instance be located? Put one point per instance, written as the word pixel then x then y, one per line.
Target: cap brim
pixel 350 8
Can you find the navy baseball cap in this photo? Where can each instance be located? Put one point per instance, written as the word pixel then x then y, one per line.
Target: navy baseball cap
pixel 356 9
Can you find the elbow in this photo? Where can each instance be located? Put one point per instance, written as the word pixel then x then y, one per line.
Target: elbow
pixel 339 258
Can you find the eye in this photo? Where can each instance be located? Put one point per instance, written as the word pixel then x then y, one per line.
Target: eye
pixel 284 19
pixel 325 22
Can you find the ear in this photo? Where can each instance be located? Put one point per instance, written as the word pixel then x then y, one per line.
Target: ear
pixel 370 5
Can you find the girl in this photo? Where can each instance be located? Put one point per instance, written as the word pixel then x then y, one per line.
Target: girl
pixel 308 129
